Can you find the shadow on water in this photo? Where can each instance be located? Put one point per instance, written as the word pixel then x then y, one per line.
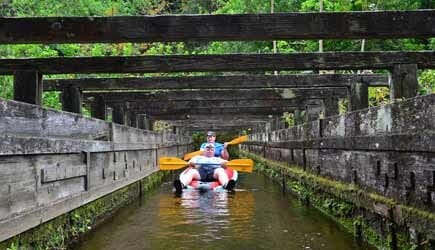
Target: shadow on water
pixel 256 216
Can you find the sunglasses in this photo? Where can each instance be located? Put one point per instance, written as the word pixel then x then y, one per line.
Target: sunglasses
pixel 209 149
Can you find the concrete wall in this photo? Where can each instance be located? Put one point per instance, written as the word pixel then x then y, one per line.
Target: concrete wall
pixel 52 162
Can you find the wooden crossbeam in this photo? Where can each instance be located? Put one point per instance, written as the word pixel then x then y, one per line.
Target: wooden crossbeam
pixel 214 111
pixel 217 82
pixel 168 105
pixel 248 94
pixel 180 117
pixel 212 63
pixel 226 122
pixel 337 25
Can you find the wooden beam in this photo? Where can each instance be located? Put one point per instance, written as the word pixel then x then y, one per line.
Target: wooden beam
pixel 249 94
pixel 338 25
pixel 214 111
pixel 212 117
pixel 212 63
pixel 193 104
pixel 211 121
pixel 227 82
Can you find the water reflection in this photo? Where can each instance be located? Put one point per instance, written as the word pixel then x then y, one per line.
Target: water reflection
pixel 258 216
pixel 208 216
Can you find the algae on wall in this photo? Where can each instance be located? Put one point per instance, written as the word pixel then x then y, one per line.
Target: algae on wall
pixel 351 206
pixel 60 232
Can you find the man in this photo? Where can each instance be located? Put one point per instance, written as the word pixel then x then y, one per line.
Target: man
pixel 207 168
pixel 220 149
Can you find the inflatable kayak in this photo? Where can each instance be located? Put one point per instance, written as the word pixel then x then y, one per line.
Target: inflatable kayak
pixel 212 185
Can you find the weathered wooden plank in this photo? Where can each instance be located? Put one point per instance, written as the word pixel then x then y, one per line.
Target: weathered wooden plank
pixel 212 63
pixel 195 104
pixel 421 142
pixel 383 24
pixel 64 168
pixel 212 95
pixel 17 118
pixel 13 145
pixel 227 82
pixel 205 111
pixel 212 117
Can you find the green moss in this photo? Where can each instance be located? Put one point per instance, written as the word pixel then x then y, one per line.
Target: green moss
pixel 340 201
pixel 61 231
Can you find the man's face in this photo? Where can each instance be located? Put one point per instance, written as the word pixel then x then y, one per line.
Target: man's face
pixel 211 138
pixel 209 151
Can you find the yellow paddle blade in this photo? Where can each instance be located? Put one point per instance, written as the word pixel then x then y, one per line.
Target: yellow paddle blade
pixel 190 155
pixel 238 140
pixel 241 165
pixel 171 163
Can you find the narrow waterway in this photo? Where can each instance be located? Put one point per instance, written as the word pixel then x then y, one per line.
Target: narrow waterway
pixel 256 216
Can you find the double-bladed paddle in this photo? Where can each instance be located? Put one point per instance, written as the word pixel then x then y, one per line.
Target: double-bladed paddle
pixel 238 140
pixel 173 163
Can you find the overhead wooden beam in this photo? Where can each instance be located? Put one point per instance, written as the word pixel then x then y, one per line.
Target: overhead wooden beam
pixel 214 111
pixel 167 105
pixel 212 63
pixel 248 94
pixel 227 82
pixel 212 117
pixel 337 25
pixel 206 121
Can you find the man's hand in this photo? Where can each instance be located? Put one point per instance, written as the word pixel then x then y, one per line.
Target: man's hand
pixel 224 164
pixel 225 145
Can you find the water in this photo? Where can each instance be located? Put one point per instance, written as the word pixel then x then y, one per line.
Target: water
pixel 256 216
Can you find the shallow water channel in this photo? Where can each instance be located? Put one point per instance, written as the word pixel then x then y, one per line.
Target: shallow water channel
pixel 256 216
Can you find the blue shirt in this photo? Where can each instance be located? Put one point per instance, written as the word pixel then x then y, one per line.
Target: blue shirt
pixel 218 148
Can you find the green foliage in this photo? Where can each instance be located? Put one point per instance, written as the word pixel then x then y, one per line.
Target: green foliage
pixel 427 82
pixel 378 96
pixel 26 8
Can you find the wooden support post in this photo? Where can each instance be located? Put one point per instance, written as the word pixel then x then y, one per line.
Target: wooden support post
pixel 331 106
pixel 118 115
pixel 133 119
pixel 297 116
pixel 359 96
pixel 72 99
pixel 404 82
pixel 313 112
pixel 28 86
pixel 145 122
pixel 98 108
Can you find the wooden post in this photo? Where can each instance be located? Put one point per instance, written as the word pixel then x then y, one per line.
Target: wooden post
pixel 118 115
pixel 331 106
pixel 297 116
pixel 133 119
pixel 146 122
pixel 313 112
pixel 359 96
pixel 28 86
pixel 72 99
pixel 404 82
pixel 98 108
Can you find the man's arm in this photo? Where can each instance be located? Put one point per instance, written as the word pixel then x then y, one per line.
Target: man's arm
pixel 224 154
